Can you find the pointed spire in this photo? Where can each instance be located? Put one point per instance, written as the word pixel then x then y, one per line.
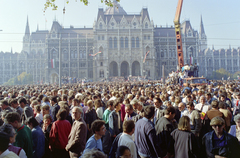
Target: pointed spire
pixel 11 50
pixel 37 27
pixel 212 47
pixel 201 31
pixel 27 30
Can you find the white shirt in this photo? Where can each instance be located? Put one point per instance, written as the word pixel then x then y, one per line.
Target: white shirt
pixel 99 112
pixel 39 117
pixel 5 153
pixel 203 108
pixel 126 140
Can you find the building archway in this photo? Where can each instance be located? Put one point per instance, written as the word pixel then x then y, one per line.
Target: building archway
pixel 54 78
pixel 124 69
pixel 136 69
pixel 113 67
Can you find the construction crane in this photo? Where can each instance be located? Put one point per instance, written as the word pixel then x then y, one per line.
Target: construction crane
pixel 178 34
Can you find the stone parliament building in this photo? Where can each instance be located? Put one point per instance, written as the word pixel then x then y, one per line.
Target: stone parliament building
pixel 123 40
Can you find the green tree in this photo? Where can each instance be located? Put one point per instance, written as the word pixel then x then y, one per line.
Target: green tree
pixel 236 74
pixel 52 4
pixel 221 73
pixel 21 79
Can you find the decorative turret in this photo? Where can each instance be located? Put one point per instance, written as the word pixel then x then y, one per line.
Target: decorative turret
pixel 202 36
pixel 26 38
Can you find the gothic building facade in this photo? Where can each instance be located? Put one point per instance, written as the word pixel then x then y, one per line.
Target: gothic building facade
pixel 123 40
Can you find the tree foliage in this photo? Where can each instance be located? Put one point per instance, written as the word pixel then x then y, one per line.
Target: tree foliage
pixel 52 3
pixel 21 79
pixel 221 73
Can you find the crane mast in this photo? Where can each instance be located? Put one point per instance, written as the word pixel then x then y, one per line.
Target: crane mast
pixel 178 34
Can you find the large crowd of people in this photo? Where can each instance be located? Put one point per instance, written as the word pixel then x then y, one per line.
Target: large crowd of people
pixel 141 119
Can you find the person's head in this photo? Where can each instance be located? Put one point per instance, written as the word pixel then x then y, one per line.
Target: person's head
pixel 123 152
pixel 222 97
pixel 134 103
pixel 157 102
pixel 22 102
pixel 128 109
pixel 53 100
pixel 4 104
pixel 214 104
pixel 128 127
pixel 190 106
pixel 110 105
pixel 37 108
pixel 97 104
pixel 98 127
pixel 184 124
pixel 31 122
pixel 45 109
pixel 149 111
pixel 222 105
pixel 13 118
pixel 64 97
pixel 217 124
pixel 75 102
pixel 7 128
pixel 117 105
pixel 13 103
pixel 170 112
pixel 202 99
pixel 94 153
pixel 90 104
pixel 4 139
pixel 77 113
pixel 208 96
pixel 237 120
pixel 62 114
pixel 181 106
pixel 47 119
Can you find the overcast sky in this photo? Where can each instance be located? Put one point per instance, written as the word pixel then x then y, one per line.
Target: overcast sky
pixel 220 18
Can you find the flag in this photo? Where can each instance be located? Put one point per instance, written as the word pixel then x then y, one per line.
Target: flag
pixel 53 63
pixel 94 54
pixel 145 56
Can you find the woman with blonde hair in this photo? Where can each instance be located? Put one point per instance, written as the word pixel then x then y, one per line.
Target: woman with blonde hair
pixel 90 116
pixel 183 143
pixel 99 108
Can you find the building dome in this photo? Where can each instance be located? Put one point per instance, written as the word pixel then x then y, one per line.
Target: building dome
pixel 115 10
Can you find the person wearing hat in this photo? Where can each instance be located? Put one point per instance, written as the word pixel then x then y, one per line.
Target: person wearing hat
pixel 218 143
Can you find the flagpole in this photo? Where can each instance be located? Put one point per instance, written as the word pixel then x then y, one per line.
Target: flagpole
pixel 60 62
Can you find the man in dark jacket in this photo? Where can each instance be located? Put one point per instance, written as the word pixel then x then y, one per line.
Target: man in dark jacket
pixel 164 127
pixel 56 107
pixel 145 135
pixel 219 143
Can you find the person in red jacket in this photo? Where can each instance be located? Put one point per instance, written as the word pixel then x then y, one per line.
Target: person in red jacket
pixel 58 137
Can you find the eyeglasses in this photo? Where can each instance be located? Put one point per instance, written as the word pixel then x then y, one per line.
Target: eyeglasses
pixel 129 156
pixel 215 126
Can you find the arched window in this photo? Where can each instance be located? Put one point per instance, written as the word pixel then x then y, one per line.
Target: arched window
pixel 126 42
pixel 115 42
pixel 110 42
pixel 54 54
pixel 165 52
pixel 162 54
pixel 72 54
pixel 170 53
pixel 137 42
pixel 146 25
pixel 75 54
pixel 133 42
pixel 189 33
pixel 100 26
pixel 81 54
pixel 121 42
